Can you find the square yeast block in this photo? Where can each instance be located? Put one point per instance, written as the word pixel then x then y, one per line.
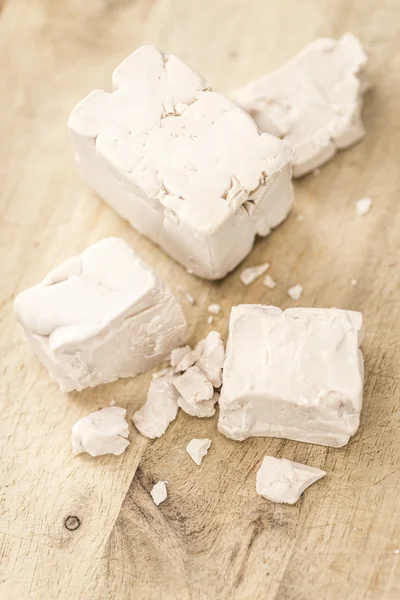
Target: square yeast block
pixel 99 316
pixel 295 374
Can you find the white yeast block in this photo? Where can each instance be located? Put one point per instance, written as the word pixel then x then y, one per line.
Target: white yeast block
pixel 282 480
pixel 99 316
pixel 313 101
pixel 183 165
pixel 103 432
pixel 160 408
pixel 295 374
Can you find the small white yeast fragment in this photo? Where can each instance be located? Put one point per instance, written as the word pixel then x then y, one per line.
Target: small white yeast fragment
pixel 160 409
pixel 281 480
pixel 203 409
pixel 295 292
pixel 102 432
pixel 214 309
pixel 187 295
pixel 269 282
pixel 177 355
pixel 363 206
pixel 250 274
pixel 212 358
pixel 159 492
pixel 198 448
pixel 193 386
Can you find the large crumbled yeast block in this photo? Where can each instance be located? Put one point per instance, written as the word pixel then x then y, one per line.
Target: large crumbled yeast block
pixel 314 101
pixel 103 432
pixel 183 165
pixel 282 480
pixel 99 316
pixel 295 374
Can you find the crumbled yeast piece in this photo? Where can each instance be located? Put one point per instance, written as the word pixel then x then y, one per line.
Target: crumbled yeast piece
pixel 214 309
pixel 193 386
pixel 353 282
pixel 188 358
pixel 177 355
pixel 159 492
pixel 363 206
pixel 160 409
pixel 102 432
pixel 210 320
pixel 197 449
pixel 250 274
pixel 182 164
pixel 161 373
pixel 282 480
pixel 99 316
pixel 203 409
pixel 187 295
pixel 295 292
pixel 313 101
pixel 295 374
pixel 269 282
pixel 212 358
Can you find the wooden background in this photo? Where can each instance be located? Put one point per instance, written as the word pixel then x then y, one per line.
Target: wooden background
pixel 214 537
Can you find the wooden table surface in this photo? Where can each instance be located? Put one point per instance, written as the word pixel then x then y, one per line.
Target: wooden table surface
pixel 214 537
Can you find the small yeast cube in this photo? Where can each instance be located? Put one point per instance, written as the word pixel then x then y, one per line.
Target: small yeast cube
pixel 99 316
pixel 313 101
pixel 295 374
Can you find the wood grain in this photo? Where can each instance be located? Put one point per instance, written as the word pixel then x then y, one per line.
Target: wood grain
pixel 213 537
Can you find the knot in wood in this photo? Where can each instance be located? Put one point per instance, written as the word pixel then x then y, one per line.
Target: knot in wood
pixel 71 523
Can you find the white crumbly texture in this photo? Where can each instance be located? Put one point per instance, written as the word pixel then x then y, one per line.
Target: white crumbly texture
pixel 197 449
pixel 269 282
pixel 193 386
pixel 250 274
pixel 102 432
pixel 313 101
pixel 159 492
pixel 188 357
pixel 295 374
pixel 182 164
pixel 211 360
pixel 214 309
pixel 99 316
pixel 178 354
pixel 295 292
pixel 210 320
pixel 363 206
pixel 203 409
pixel 282 480
pixel 196 392
pixel 160 409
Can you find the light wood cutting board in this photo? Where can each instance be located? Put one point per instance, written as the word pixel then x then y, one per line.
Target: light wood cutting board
pixel 214 537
